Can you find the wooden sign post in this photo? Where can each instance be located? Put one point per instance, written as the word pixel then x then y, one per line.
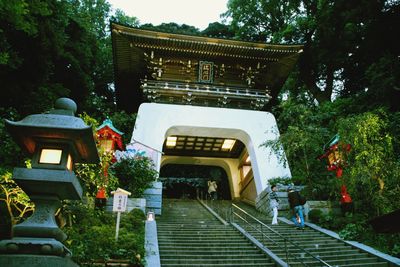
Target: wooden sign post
pixel 119 205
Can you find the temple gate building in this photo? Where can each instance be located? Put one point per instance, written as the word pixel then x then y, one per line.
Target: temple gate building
pixel 204 101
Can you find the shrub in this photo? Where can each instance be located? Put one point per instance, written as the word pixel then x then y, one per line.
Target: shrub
pixel 92 235
pixel 352 232
pixel 315 215
pixel 134 174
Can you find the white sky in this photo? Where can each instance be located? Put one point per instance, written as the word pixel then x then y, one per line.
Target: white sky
pixel 197 13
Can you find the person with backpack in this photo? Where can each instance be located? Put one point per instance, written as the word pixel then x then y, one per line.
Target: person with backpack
pixel 296 202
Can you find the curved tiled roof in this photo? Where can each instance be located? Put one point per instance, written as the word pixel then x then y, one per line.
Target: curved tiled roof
pixel 132 45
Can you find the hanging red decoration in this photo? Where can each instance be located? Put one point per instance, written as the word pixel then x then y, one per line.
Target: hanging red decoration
pixel 336 155
pixel 110 139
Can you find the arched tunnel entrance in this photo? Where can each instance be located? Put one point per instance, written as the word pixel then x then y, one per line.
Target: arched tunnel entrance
pixel 186 180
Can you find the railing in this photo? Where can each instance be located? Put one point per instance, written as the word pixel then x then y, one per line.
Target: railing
pixel 231 213
pixel 221 207
pixel 263 229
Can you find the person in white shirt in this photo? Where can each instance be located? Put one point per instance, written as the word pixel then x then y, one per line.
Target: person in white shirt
pixel 212 189
pixel 274 203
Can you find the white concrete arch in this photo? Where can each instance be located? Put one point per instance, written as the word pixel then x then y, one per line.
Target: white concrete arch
pixel 156 121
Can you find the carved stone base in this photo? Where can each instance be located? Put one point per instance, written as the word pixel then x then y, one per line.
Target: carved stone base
pixel 37 246
pixel 42 223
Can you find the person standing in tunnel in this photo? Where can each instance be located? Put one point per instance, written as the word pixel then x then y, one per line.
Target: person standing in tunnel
pixel 212 189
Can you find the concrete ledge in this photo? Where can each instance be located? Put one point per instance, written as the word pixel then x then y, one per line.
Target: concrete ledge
pixel 152 256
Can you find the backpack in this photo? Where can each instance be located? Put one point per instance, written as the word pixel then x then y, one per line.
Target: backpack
pixel 302 199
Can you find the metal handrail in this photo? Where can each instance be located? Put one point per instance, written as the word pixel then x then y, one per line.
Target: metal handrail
pixel 264 235
pixel 286 240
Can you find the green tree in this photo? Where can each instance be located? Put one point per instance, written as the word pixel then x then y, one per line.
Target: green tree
pixel 373 166
pixel 50 49
pixel 121 18
pixel 261 21
pixel 342 41
pixel 125 123
pixel 302 135
pixel 172 28
pixel 219 30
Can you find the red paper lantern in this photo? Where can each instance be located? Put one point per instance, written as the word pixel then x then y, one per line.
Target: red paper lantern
pixel 336 155
pixel 109 137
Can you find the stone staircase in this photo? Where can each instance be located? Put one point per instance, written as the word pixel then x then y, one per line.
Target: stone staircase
pixel 331 250
pixel 189 235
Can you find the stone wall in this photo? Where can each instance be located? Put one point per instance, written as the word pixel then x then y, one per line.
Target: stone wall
pixel 153 196
pixel 262 201
pixel 133 203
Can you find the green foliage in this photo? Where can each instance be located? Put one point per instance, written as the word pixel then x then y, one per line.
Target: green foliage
pixel 10 154
pixel 373 167
pixel 298 145
pixel 172 28
pixel 352 232
pixel 121 18
pixel 15 203
pixel 261 20
pixel 219 30
pixel 59 49
pixel 91 237
pixel 280 180
pixel 125 123
pixel 345 44
pixel 133 220
pixel 134 174
pixel 95 176
pixel 315 216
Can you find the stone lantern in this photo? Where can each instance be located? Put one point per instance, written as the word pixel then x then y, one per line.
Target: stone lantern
pixel 55 141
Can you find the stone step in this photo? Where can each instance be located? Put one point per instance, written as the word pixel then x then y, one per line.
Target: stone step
pixel 201 240
pixel 263 264
pixel 205 247
pixel 339 262
pixel 312 249
pixel 207 251
pixel 190 236
pixel 216 256
pixel 331 250
pixel 324 254
pixel 223 260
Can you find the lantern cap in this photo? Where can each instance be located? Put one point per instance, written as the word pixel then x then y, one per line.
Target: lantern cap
pixel 64 103
pixel 58 126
